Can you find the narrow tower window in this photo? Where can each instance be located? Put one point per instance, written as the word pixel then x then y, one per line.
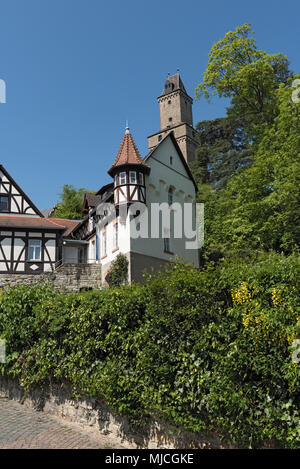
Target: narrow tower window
pixel 170 196
pixel 122 178
pixel 132 177
pixel 141 179
pixel 116 236
pixel 104 243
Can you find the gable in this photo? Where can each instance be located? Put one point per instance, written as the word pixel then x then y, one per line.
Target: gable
pixel 168 153
pixel 13 200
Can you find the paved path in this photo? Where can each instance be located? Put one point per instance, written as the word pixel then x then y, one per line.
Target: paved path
pixel 22 427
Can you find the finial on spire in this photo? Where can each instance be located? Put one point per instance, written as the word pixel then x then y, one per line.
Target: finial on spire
pixel 177 71
pixel 127 128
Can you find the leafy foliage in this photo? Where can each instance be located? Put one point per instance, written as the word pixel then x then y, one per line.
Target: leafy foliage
pixel 222 150
pixel 259 209
pixel 118 273
pixel 208 350
pixel 247 75
pixel 69 206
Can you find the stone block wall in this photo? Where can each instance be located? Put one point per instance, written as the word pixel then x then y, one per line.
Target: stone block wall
pixel 74 277
pixel 96 415
pixel 67 278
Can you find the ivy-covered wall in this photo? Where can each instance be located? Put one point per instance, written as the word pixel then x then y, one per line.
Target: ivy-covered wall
pixel 208 350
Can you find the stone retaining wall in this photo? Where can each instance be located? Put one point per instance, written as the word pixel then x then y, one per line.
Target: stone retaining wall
pixel 66 278
pixel 98 416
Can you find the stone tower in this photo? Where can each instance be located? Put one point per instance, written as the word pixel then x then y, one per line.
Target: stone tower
pixel 176 114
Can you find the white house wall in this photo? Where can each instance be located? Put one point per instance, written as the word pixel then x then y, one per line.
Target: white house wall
pixel 19 204
pixel 162 176
pixel 111 252
pixel 14 252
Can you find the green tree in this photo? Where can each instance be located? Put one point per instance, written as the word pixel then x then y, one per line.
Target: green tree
pixel 222 150
pixel 70 203
pixel 260 207
pixel 247 76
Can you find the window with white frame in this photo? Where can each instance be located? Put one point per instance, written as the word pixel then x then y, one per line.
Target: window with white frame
pixel 35 250
pixel 132 177
pixel 104 243
pixel 141 179
pixel 122 178
pixel 116 236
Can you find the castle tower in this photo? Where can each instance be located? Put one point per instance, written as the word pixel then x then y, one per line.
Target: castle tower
pixel 176 114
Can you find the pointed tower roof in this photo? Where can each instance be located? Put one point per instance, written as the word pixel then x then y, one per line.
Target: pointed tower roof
pixel 128 154
pixel 173 83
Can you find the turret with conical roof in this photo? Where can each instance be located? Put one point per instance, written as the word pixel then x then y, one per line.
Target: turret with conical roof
pixel 129 170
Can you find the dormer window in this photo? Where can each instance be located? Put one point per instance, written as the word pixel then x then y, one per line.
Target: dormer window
pixel 171 160
pixel 3 203
pixel 122 178
pixel 132 177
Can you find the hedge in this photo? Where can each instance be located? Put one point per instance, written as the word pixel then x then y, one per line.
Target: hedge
pixel 206 350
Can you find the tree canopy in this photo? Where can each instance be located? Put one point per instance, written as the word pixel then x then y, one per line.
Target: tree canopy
pixel 70 203
pixel 222 150
pixel 260 207
pixel 238 70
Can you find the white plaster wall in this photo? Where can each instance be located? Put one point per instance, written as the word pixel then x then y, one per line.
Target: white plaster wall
pixel 51 248
pixel 13 206
pixel 18 248
pixel 6 246
pixel 124 242
pixel 162 176
pixel 91 253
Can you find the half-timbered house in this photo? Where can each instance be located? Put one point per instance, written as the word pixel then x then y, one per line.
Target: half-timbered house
pixel 32 243
pixel 29 242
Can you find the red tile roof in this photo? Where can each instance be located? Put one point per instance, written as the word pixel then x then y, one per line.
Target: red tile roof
pixel 11 222
pixel 68 224
pixel 128 153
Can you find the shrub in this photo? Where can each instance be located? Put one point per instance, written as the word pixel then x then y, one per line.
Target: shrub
pixel 118 273
pixel 208 350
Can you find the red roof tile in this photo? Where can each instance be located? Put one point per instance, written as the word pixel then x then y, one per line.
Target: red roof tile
pixel 68 224
pixel 128 153
pixel 11 222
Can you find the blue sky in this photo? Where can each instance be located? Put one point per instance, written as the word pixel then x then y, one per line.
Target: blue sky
pixel 75 70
